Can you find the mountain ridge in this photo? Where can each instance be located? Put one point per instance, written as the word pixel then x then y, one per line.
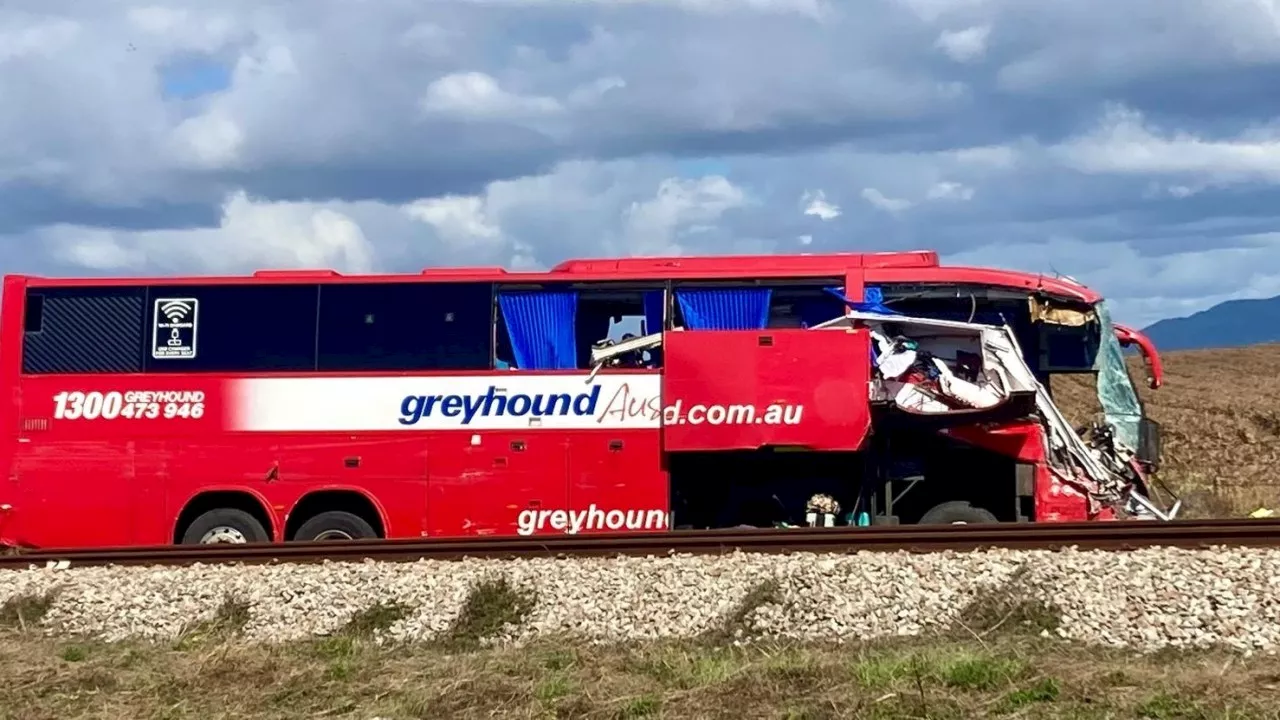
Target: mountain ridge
pixel 1234 323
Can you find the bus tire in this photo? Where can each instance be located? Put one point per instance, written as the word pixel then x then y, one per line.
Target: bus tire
pixel 334 525
pixel 957 512
pixel 225 526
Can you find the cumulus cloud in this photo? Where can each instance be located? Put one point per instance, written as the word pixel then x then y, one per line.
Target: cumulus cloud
pixel 946 190
pixel 252 234
pixel 964 45
pixel 996 156
pixel 39 38
pixel 883 202
pixel 816 204
pixel 654 226
pixel 807 8
pixel 475 95
pixel 1124 143
pixel 457 219
pixel 397 135
pixel 209 141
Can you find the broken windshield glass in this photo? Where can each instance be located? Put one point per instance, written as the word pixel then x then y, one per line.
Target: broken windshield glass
pixel 1116 393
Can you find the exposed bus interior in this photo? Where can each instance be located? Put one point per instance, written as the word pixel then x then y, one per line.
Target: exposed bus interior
pixel 902 476
pixel 935 372
pixel 931 374
pixel 1057 335
pixel 556 327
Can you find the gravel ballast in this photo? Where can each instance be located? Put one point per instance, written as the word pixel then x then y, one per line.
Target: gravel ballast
pixel 1145 599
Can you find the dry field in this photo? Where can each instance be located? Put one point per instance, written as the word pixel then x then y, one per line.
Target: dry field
pixel 1220 410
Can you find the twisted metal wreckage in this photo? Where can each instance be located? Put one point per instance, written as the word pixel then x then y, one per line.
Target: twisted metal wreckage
pixel 984 370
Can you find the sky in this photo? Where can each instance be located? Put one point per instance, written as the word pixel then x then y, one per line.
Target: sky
pixel 1132 145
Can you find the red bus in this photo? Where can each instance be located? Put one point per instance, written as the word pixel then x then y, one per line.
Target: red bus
pixel 639 394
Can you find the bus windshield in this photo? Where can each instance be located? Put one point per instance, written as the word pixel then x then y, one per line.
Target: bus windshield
pixel 1116 392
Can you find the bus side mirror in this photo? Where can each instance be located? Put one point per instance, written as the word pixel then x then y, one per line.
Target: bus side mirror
pixel 1149 443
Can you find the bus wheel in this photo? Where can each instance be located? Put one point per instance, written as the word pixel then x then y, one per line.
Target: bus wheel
pixel 957 512
pixel 335 525
pixel 225 526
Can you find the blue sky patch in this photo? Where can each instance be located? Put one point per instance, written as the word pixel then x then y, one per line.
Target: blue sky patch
pixel 701 167
pixel 191 78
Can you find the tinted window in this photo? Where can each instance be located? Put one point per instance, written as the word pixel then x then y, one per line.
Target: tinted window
pixel 231 328
pixel 83 330
pixel 1065 349
pixel 406 326
pixel 33 317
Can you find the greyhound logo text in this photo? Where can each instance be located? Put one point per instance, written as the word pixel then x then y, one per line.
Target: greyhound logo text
pixel 592 518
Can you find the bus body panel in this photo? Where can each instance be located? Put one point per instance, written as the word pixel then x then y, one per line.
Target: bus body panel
pixel 96 459
pixel 731 390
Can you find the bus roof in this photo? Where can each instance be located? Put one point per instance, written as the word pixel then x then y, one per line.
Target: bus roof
pixel 917 266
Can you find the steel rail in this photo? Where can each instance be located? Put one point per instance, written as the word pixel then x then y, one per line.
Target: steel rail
pixel 1117 536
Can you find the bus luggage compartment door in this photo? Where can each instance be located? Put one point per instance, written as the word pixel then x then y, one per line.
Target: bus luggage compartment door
pixel 745 389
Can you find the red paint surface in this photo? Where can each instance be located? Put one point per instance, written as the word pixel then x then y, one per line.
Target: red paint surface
pixel 815 382
pixel 72 483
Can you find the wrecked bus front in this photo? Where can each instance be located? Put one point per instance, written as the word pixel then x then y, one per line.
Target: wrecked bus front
pixel 1062 329
pixel 1123 411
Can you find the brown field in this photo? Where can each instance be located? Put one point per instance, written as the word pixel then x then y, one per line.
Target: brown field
pixel 1220 411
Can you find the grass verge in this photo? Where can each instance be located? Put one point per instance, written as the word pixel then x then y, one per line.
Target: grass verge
pixel 492 606
pixel 941 679
pixel 1010 608
pixel 736 625
pixel 20 612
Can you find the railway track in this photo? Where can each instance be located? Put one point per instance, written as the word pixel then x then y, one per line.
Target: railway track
pixel 1115 536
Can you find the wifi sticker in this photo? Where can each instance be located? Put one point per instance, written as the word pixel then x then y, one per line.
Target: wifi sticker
pixel 174 333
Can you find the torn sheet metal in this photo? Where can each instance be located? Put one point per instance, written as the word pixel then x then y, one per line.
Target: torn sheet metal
pixel 947 349
pixel 1103 477
pixel 941 366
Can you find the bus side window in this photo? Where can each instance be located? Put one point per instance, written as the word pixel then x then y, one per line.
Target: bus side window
pixel 231 328
pixel 554 328
pixel 405 326
pixel 83 330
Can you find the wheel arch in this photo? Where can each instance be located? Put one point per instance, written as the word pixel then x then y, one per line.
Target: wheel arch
pixel 336 497
pixel 238 498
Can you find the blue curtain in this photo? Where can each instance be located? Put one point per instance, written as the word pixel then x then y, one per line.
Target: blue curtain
pixel 653 311
pixel 725 308
pixel 872 301
pixel 541 327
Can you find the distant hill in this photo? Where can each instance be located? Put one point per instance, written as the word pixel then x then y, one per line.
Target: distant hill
pixel 1230 324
